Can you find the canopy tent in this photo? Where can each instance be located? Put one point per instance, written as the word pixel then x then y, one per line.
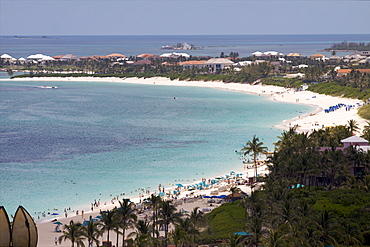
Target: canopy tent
pixel 242 233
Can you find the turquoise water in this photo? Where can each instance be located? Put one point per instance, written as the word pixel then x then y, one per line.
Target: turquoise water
pixel 83 141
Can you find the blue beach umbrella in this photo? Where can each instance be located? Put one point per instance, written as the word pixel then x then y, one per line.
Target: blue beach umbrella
pixel 242 233
pixel 179 185
pixel 58 223
pixel 54 214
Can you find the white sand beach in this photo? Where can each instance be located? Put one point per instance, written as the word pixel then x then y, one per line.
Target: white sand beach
pixel 185 202
pixel 307 122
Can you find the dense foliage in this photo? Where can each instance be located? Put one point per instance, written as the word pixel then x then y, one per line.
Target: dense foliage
pixel 283 82
pixel 364 112
pixel 324 212
pixel 336 88
pixel 362 46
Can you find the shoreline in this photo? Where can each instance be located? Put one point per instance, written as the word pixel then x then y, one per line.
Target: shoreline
pixel 273 93
pixel 314 120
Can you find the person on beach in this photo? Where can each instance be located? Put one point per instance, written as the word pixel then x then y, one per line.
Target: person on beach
pixel 56 241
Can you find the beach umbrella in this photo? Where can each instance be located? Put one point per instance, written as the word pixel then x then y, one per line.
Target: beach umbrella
pixel 54 214
pixel 179 185
pixel 99 217
pixel 242 233
pixel 58 223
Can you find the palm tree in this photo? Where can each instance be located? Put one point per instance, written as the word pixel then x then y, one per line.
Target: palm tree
pixel 155 204
pixel 196 219
pixel 333 166
pixel 182 231
pixel 256 228
pixel 274 239
pixel 74 233
pixel 92 232
pixel 126 215
pixel 352 126
pixel 108 221
pixel 178 236
pixel 142 233
pixel 328 230
pixel 167 215
pixel 254 148
pixel 366 132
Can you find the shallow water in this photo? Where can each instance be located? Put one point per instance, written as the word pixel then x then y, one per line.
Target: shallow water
pixel 87 140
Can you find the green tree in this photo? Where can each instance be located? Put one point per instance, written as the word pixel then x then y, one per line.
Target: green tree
pixel 366 132
pixel 74 233
pixel 352 126
pixel 167 215
pixel 155 202
pixel 254 148
pixel 92 232
pixel 196 219
pixel 142 233
pixel 108 221
pixel 126 216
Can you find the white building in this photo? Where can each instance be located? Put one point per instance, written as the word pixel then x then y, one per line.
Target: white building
pixel 175 55
pixel 215 64
pixel 6 58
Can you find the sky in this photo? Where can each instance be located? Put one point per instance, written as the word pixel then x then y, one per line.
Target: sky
pixel 183 17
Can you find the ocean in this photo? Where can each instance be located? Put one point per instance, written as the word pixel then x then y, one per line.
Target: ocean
pixel 83 141
pixel 210 45
pixel 87 141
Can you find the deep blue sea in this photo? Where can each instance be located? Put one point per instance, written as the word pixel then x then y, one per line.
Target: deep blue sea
pixel 211 45
pixel 83 141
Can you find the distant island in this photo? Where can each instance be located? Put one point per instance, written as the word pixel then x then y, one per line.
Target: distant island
pixel 179 46
pixel 28 37
pixel 349 46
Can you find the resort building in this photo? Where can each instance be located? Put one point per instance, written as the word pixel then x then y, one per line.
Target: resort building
pixel 69 57
pixel 259 54
pixel 215 64
pixel 354 56
pixel 334 58
pixel 267 54
pixel 318 56
pixel 147 56
pixel 97 57
pixel 344 72
pixel 5 58
pixel 273 54
pixel 193 64
pixel 116 56
pixel 363 53
pixel 293 55
pixel 355 141
pixel 39 58
pixel 175 55
pixel 243 63
pixel 142 62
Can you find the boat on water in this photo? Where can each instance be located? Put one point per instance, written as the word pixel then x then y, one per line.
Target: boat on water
pixel 49 87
